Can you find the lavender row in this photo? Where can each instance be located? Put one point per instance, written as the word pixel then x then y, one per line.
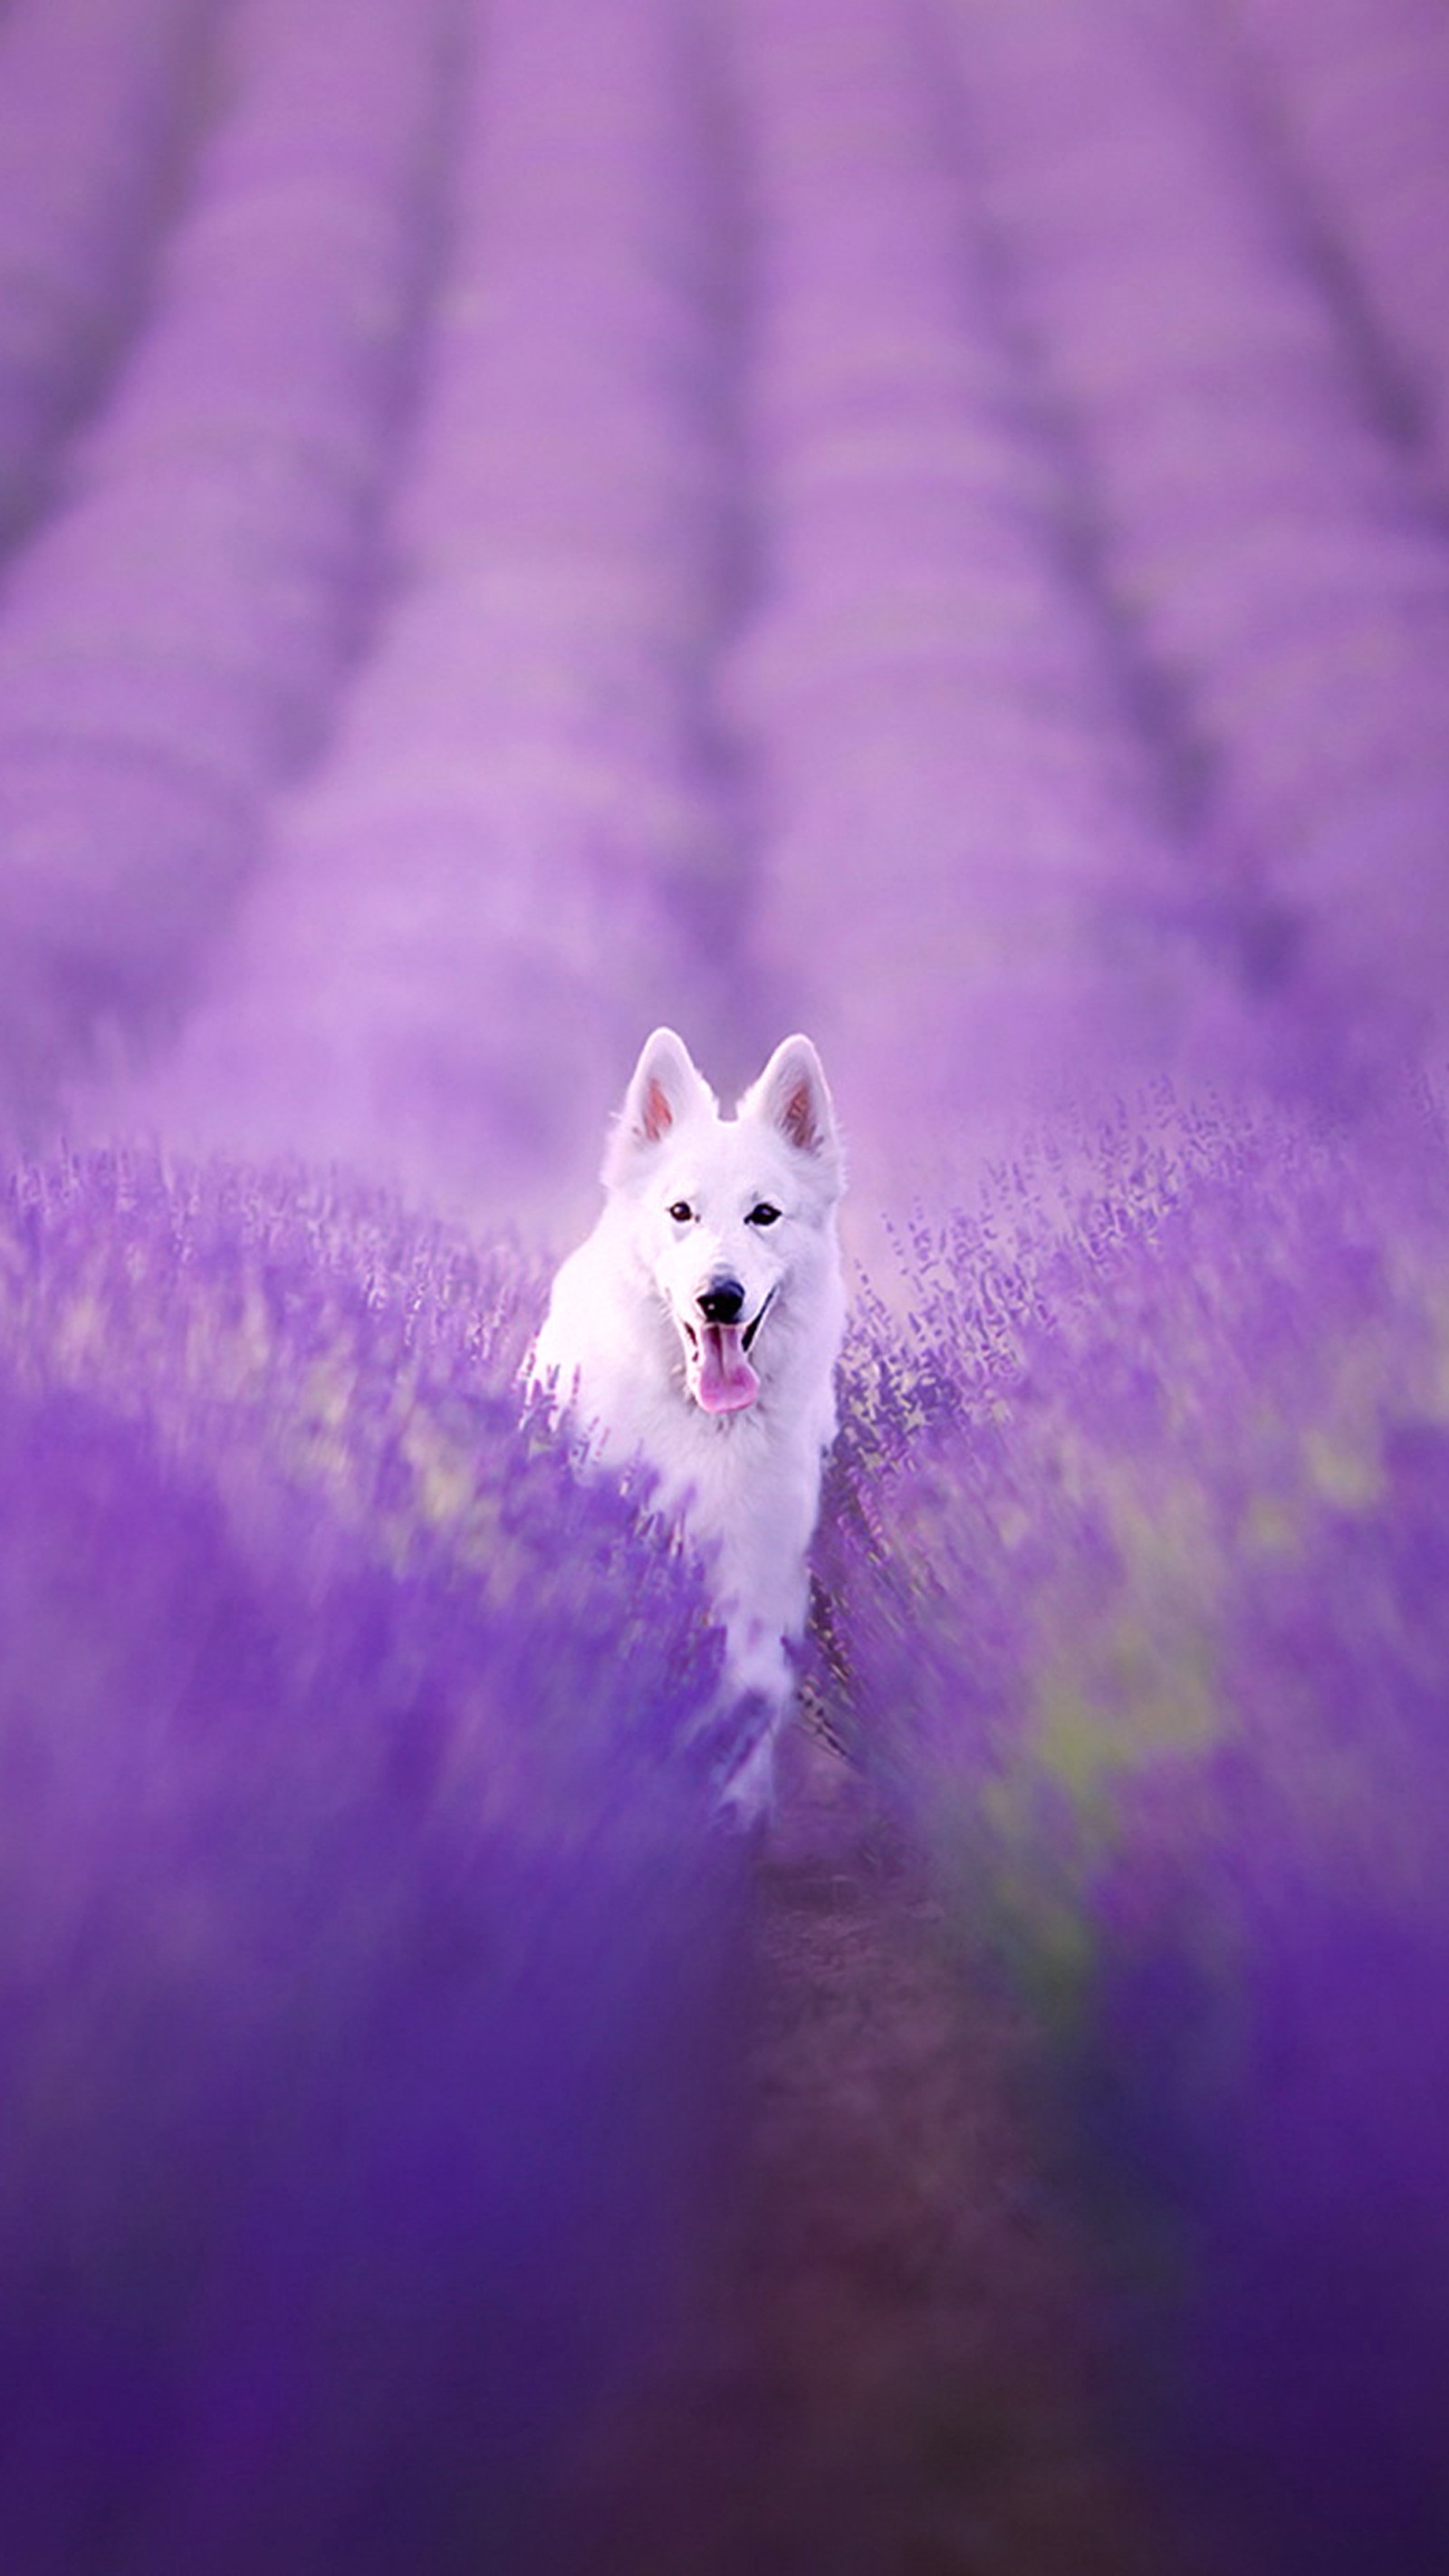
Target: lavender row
pixel 1357 97
pixel 1260 523
pixel 358 1887
pixel 98 99
pixel 517 831
pixel 1136 1553
pixel 170 644
pixel 956 807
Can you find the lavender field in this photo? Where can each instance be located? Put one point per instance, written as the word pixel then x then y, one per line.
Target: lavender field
pixel 921 520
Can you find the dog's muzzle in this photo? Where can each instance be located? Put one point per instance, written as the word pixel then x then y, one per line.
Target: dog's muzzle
pixel 717 1358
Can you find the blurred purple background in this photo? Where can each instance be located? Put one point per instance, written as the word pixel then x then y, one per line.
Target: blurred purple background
pixel 921 519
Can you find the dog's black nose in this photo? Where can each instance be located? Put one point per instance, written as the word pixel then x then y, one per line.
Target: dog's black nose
pixel 722 1303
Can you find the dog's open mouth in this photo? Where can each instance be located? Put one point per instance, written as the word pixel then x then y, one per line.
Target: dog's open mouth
pixel 717 1363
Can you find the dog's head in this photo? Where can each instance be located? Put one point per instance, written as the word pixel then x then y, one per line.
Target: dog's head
pixel 732 1217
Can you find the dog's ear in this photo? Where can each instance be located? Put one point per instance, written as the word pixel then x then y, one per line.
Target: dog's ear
pixel 663 1089
pixel 793 1096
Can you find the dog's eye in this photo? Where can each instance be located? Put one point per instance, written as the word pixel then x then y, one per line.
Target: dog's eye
pixel 762 1213
pixel 681 1211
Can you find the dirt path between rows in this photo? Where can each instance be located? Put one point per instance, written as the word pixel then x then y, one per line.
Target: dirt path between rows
pixel 889 2370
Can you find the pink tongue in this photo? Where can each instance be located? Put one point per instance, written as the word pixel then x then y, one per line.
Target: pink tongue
pixel 726 1379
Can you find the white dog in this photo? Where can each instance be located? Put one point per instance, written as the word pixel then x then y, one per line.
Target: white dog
pixel 697 1330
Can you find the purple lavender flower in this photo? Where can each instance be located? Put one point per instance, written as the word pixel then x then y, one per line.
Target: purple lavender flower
pixel 365 1933
pixel 1136 1558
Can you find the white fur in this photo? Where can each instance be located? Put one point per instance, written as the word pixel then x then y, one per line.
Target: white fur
pixel 619 1352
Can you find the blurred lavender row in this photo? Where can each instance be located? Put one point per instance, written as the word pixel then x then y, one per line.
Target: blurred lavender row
pixel 97 98
pixel 1258 519
pixel 515 860
pixel 171 640
pixel 1356 96
pixel 358 1888
pixel 954 813
pixel 1137 1564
